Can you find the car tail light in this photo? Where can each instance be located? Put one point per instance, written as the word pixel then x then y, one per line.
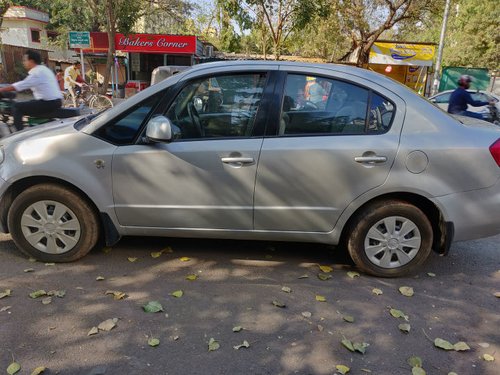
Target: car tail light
pixel 495 151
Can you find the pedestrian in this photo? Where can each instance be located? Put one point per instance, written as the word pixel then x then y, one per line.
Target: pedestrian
pixel 60 78
pixel 460 98
pixel 43 84
pixel 71 74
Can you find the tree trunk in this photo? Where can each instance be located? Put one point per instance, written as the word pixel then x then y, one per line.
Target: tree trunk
pixel 111 29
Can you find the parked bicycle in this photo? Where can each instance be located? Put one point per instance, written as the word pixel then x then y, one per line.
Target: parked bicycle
pixel 88 96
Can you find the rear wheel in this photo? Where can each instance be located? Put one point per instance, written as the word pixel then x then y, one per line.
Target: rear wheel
pixel 53 224
pixel 100 102
pixel 390 239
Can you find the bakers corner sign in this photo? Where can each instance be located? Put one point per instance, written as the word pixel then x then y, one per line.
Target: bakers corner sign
pixel 402 54
pixel 154 43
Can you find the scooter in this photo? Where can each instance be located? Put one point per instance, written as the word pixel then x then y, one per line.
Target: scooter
pixel 6 103
pixel 494 114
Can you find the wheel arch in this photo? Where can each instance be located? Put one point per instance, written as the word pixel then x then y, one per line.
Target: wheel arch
pixel 108 229
pixel 442 231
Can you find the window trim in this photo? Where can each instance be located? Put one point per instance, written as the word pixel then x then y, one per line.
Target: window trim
pixel 39 31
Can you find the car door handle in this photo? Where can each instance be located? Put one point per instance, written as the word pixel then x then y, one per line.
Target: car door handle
pixel 237 161
pixel 370 159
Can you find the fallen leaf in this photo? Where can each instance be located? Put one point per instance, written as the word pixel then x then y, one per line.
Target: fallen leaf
pixel 306 314
pixel 177 293
pixel 342 369
pixel 50 264
pixel 107 250
pixel 326 269
pixel 38 370
pixel 132 259
pixel 175 338
pixel 13 368
pixel 348 318
pixel 488 357
pixel 461 346
pixel 366 370
pixel 153 342
pixel 398 314
pixel 108 324
pixel 29 270
pixel 93 331
pixel 415 361
pixel 418 371
pixel 213 345
pixel 405 327
pixel 38 293
pixel 47 300
pixel 279 304
pixel 406 291
pixel 5 308
pixel 431 274
pixel 6 293
pixel 32 260
pixel 348 344
pixel 244 345
pixel 452 373
pixel 268 256
pixel 191 277
pixel 237 329
pixel 116 294
pixel 497 294
pixel 303 277
pixel 324 276
pixel 184 259
pixel 484 345
pixel 377 291
pixel 360 347
pixel 156 254
pixel 168 249
pixel 443 344
pixel 99 278
pixel 320 298
pixel 286 289
pixel 320 328
pixel 153 307
pixel 353 274
pixel 57 293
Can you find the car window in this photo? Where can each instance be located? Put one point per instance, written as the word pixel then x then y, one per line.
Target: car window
pixel 478 96
pixel 317 105
pixel 443 98
pixel 124 129
pixel 219 106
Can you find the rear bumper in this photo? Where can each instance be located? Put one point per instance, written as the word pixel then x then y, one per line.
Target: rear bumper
pixel 474 214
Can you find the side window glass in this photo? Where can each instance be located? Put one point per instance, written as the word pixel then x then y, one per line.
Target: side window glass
pixel 220 106
pixel 124 129
pixel 316 105
pixel 381 114
pixel 444 98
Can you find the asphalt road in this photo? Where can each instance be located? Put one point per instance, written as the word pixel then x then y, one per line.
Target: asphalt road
pixel 236 285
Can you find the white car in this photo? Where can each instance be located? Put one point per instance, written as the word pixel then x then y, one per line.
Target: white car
pixel 442 100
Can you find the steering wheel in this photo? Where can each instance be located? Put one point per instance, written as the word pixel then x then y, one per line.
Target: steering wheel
pixel 195 118
pixel 309 105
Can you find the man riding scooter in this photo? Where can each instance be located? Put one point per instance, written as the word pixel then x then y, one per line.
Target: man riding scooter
pixel 460 98
pixel 42 82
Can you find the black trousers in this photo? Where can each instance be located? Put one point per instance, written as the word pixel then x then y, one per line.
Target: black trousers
pixel 37 108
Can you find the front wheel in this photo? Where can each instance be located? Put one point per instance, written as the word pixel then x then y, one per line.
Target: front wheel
pixel 100 102
pixel 53 224
pixel 390 238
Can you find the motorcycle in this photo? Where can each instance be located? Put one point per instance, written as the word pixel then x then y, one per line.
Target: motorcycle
pixel 494 114
pixel 7 101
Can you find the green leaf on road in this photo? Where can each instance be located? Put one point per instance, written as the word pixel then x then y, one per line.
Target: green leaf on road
pixel 398 314
pixel 46 300
pixel 93 331
pixel 415 361
pixel 406 291
pixel 185 259
pixel 213 345
pixel 6 293
pixel 405 327
pixel 156 254
pixel 29 270
pixel 461 346
pixel 342 369
pixel 38 293
pixel 191 277
pixel 177 293
pixel 286 289
pixel 430 274
pixel 116 294
pixel 153 342
pixel 279 304
pixel 237 329
pixel 132 259
pixel 418 371
pixel 488 357
pixel 360 347
pixel 99 278
pixel 324 276
pixel 320 298
pixel 326 269
pixel 377 291
pixel 38 370
pixel 108 324
pixel 245 344
pixel 13 368
pixel 348 344
pixel 348 318
pixel 152 307
pixel 443 344
pixel 353 274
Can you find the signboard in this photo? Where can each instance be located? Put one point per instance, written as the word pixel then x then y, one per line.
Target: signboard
pixel 156 43
pixel 402 54
pixel 79 39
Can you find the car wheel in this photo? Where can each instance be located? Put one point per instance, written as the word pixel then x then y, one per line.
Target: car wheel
pixel 53 224
pixel 390 239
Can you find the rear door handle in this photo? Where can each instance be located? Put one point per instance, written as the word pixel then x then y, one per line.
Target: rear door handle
pixel 237 161
pixel 370 159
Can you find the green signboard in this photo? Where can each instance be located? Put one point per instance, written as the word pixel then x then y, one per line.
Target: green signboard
pixel 79 39
pixel 450 76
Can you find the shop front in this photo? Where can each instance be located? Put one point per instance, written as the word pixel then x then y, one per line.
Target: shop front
pixel 408 63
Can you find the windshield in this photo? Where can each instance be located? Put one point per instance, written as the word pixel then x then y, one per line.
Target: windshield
pixel 84 121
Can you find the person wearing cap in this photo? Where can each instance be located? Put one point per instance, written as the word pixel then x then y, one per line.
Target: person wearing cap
pixel 460 98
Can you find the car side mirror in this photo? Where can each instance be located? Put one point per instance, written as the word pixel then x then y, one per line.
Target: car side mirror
pixel 161 129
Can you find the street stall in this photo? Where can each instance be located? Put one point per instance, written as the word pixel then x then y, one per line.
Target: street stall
pixel 408 63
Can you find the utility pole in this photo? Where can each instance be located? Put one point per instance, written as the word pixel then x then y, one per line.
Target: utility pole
pixel 437 76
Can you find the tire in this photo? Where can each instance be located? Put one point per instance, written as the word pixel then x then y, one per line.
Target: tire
pixel 379 250
pixel 53 224
pixel 100 102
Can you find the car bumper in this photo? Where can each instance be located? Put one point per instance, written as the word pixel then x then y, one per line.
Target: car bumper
pixel 474 214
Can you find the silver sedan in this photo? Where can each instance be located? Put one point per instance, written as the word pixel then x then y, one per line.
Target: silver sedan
pixel 258 151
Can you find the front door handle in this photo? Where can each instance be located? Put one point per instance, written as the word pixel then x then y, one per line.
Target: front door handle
pixel 237 161
pixel 370 159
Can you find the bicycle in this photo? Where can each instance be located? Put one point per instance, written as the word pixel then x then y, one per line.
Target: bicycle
pixel 88 96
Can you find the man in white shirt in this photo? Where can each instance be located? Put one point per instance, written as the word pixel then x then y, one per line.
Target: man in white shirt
pixel 43 83
pixel 71 74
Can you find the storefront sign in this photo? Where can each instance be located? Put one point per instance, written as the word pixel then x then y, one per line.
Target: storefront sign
pixel 402 54
pixel 154 43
